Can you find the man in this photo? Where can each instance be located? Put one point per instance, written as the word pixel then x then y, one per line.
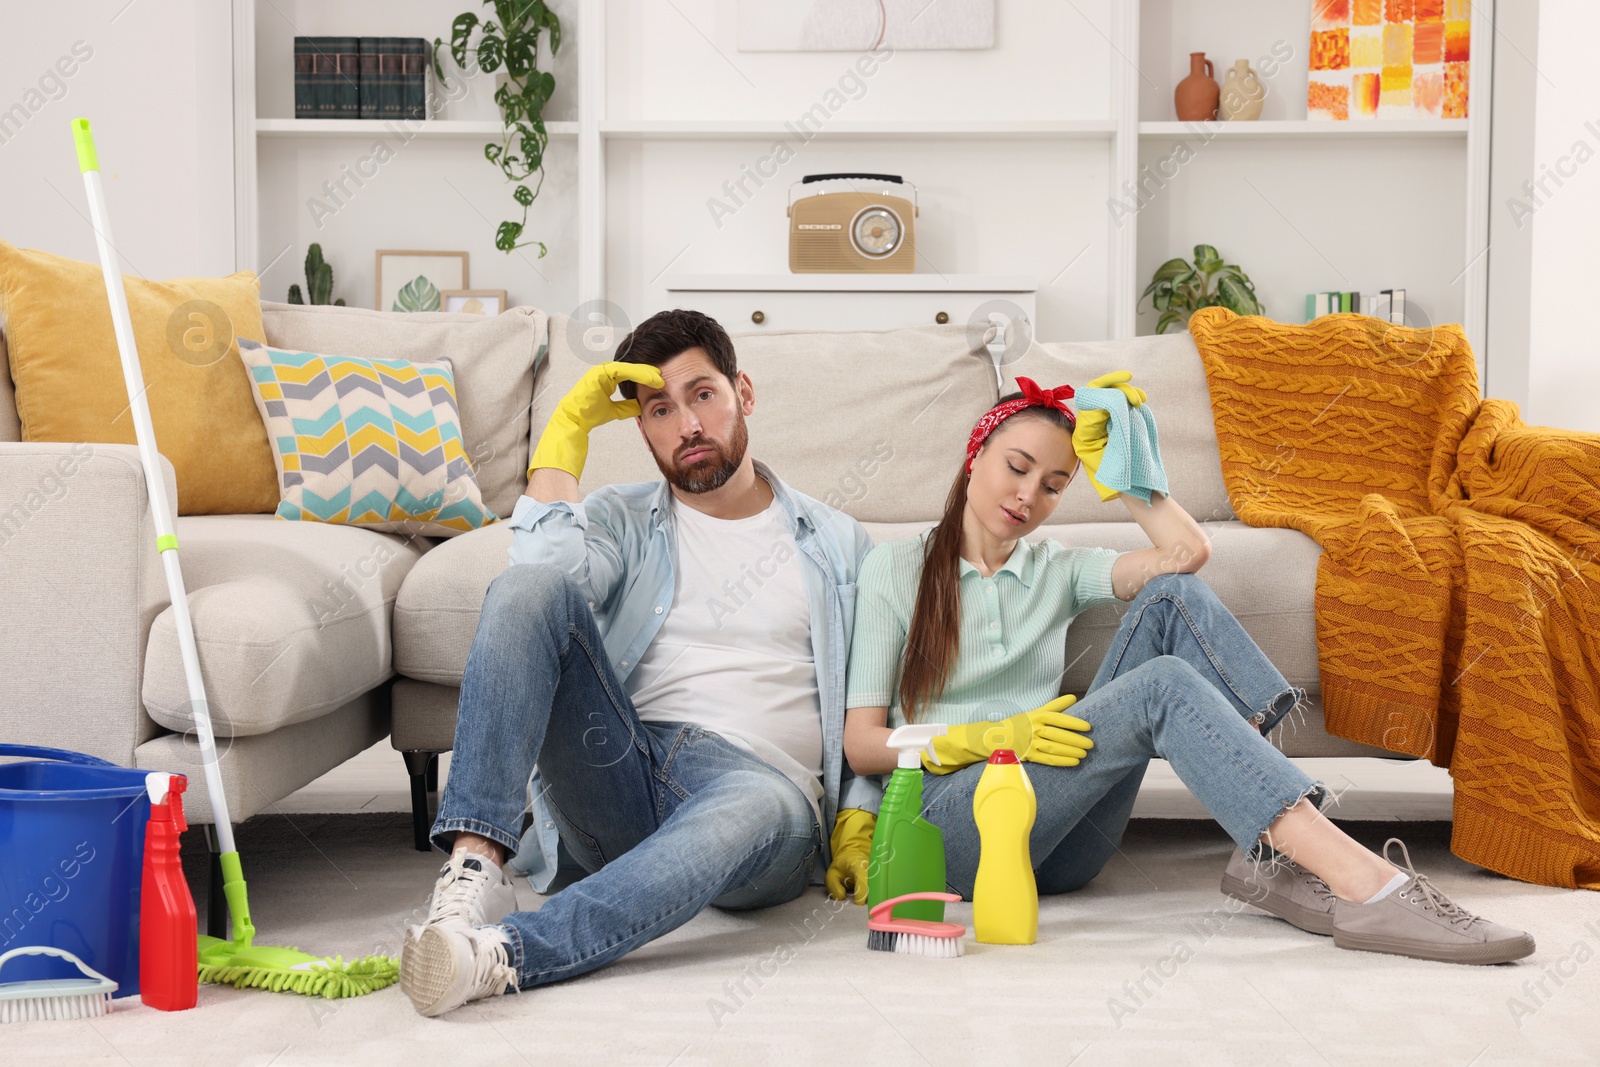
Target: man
pixel 672 655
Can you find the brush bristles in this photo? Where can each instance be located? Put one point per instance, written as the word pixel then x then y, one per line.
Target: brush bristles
pixel 39 1009
pixel 914 944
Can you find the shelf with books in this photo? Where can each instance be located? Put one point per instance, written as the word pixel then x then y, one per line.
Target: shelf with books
pixel 471 128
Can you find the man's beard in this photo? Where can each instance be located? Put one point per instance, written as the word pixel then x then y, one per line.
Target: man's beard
pixel 709 472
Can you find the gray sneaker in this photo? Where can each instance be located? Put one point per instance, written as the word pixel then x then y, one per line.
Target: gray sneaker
pixel 1282 887
pixel 1418 920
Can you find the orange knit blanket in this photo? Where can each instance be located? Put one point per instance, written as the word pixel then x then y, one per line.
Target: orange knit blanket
pixel 1458 593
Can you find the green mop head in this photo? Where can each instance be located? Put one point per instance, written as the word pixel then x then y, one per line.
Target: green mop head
pixel 282 970
pixel 288 970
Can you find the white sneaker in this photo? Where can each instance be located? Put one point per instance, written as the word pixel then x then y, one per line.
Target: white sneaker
pixel 444 965
pixel 473 889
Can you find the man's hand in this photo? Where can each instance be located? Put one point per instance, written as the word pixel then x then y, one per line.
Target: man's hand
pixel 852 851
pixel 565 441
pixel 1089 439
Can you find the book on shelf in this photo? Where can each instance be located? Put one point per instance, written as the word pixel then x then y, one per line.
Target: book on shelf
pixel 361 77
pixel 1386 304
pixel 305 106
pixel 394 78
pixel 338 92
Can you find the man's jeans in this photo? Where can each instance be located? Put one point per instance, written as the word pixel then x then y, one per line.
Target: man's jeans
pixel 1183 681
pixel 666 818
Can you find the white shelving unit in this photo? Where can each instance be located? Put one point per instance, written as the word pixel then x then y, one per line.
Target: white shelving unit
pixel 1432 175
pixel 1310 129
pixel 475 129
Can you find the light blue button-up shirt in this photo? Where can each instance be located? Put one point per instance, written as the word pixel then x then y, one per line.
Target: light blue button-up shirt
pixel 620 544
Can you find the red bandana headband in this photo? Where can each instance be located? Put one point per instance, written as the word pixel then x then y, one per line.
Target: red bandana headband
pixel 1032 396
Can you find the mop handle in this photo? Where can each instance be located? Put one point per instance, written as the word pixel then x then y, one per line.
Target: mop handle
pixel 155 484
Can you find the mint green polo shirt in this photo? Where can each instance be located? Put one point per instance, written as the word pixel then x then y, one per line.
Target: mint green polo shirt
pixel 1013 639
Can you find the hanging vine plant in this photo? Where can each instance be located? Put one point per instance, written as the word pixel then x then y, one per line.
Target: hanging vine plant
pixel 511 40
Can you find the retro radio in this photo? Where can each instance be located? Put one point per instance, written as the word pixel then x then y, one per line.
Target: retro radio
pixel 853 230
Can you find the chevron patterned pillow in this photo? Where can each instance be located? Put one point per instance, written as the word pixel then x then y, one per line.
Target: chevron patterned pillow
pixel 366 442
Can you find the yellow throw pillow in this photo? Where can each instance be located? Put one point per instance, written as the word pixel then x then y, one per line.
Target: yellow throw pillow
pixel 69 384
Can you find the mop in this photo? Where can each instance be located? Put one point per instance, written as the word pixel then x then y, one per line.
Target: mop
pixel 239 961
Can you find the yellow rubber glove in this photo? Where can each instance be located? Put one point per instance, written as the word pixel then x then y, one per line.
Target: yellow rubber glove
pixel 565 441
pixel 852 848
pixel 1089 439
pixel 1044 735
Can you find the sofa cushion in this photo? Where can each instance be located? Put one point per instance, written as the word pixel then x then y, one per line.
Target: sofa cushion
pixel 1266 577
pixel 10 428
pixel 495 361
pixel 874 423
pixel 366 442
pixel 1168 368
pixel 291 620
pixel 436 614
pixel 69 384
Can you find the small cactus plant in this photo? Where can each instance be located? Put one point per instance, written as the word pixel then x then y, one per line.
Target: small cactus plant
pixel 319 280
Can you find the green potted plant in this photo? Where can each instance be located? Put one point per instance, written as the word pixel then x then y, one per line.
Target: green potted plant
pixel 511 40
pixel 319 280
pixel 1180 288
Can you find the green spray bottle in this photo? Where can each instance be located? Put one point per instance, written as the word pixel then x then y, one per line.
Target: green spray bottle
pixel 908 850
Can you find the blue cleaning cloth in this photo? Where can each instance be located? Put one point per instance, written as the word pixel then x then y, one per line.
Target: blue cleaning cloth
pixel 1132 461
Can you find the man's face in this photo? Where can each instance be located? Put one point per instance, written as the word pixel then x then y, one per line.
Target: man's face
pixel 695 426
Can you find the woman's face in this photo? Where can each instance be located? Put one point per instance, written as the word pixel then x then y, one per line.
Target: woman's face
pixel 1019 475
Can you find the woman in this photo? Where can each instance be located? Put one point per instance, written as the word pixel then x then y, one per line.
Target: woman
pixel 966 625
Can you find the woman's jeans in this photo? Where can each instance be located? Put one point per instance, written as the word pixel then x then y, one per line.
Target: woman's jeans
pixel 666 818
pixel 1183 681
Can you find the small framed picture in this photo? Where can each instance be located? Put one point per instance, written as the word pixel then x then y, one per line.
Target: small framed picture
pixel 473 301
pixel 413 281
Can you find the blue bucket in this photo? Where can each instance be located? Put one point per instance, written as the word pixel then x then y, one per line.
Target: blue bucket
pixel 71 863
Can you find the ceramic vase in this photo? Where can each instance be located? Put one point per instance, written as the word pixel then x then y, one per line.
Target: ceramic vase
pixel 1197 95
pixel 1242 93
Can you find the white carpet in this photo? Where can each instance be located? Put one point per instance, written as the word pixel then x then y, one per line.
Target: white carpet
pixel 1148 964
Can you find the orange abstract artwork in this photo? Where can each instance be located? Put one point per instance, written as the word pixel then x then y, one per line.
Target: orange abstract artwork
pixel 1427 92
pixel 1332 100
pixel 1330 50
pixel 1389 59
pixel 1364 95
pixel 1455 91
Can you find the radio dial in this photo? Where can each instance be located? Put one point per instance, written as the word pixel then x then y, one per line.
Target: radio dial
pixel 875 231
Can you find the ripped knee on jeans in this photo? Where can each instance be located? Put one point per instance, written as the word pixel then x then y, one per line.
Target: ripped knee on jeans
pixel 1288 705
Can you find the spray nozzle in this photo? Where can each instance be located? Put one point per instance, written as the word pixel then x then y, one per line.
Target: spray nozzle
pixel 912 740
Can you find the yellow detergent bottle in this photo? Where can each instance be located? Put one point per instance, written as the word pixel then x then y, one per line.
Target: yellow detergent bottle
pixel 1005 898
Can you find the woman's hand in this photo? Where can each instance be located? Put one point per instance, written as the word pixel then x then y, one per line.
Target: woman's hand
pixel 1044 735
pixel 1089 439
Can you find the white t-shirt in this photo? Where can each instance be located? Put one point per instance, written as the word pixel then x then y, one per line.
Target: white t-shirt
pixel 734 652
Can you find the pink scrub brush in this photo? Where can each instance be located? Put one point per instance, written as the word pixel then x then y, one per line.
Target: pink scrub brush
pixel 916 937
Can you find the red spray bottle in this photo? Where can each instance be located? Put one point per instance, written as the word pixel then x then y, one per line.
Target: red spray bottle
pixel 168 953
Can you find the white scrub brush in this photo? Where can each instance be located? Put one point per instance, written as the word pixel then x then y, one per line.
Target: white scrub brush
pixel 55 998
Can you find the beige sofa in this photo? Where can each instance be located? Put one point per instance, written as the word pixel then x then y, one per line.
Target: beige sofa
pixel 316 640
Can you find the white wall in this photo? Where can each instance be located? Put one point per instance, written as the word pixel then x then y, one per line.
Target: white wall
pixel 153 80
pixel 1563 343
pixel 1012 207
